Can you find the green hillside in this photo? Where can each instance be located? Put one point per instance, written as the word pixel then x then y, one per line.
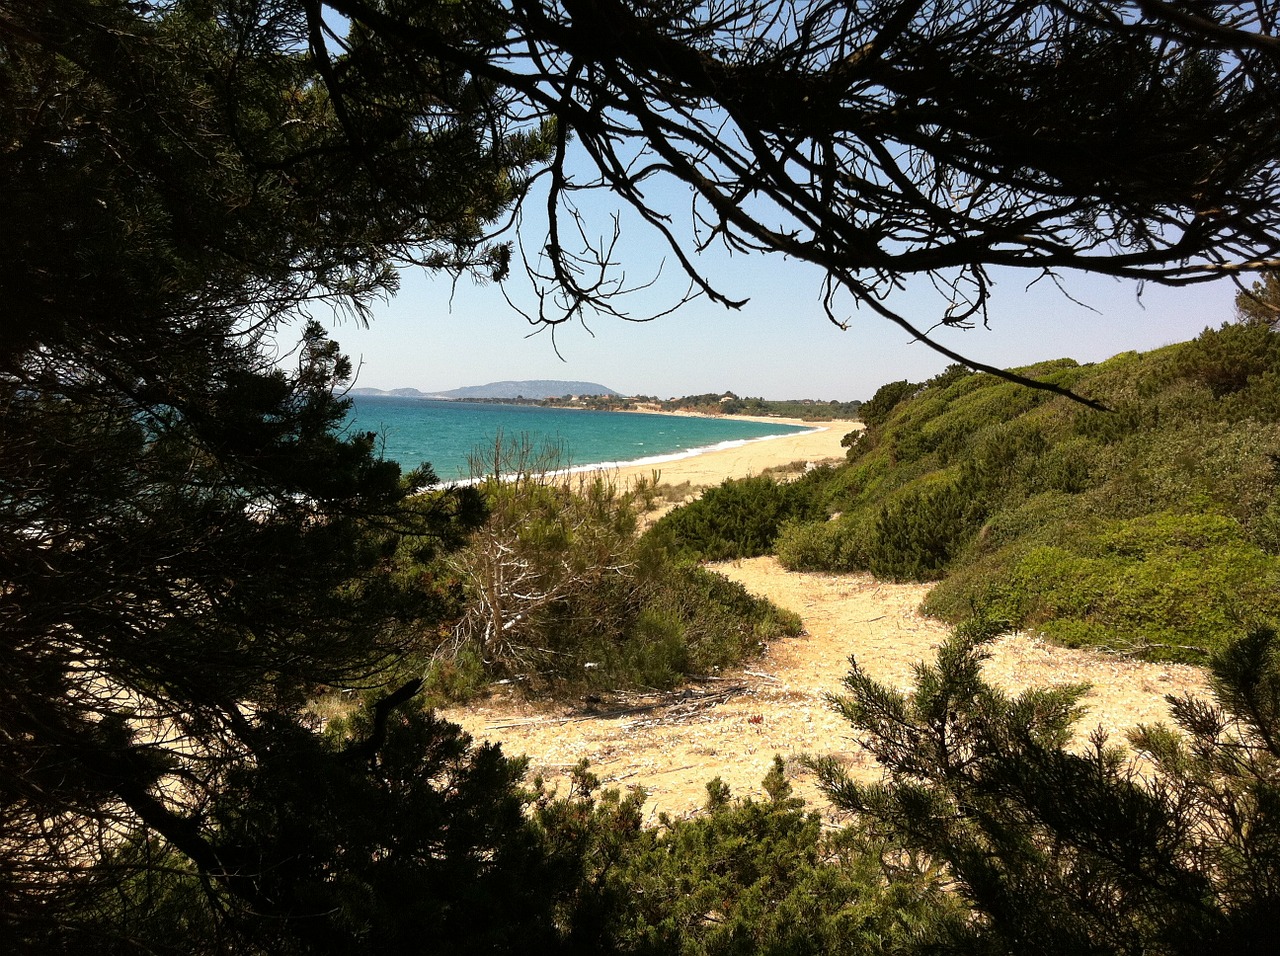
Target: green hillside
pixel 1150 528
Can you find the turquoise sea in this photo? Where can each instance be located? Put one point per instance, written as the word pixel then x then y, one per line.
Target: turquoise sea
pixel 446 434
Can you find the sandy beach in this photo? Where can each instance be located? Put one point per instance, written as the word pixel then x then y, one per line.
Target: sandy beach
pixel 820 444
pixel 731 725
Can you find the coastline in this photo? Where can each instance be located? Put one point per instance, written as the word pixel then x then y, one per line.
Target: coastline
pixel 628 443
pixel 739 458
pixel 820 442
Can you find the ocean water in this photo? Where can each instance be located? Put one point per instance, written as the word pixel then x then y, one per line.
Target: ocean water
pixel 447 434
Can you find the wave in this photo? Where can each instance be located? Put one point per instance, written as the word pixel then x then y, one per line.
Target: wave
pixel 687 453
pixel 451 435
pixel 654 459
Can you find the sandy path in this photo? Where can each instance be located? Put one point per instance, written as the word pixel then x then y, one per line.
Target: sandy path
pixel 732 726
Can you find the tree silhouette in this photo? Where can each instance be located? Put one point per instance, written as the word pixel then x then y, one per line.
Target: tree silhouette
pixel 884 139
pixel 190 543
pixel 1260 303
pixel 1069 848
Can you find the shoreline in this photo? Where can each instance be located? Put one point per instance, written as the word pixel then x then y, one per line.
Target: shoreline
pixel 738 458
pixel 819 442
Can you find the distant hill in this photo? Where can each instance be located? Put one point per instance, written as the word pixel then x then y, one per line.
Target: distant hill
pixel 396 392
pixel 535 389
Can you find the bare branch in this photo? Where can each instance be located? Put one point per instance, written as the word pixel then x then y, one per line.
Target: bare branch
pixel 885 139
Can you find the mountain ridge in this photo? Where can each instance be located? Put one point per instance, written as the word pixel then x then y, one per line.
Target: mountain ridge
pixel 529 389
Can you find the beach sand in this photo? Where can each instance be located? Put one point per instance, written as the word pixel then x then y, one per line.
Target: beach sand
pixel 731 724
pixel 712 467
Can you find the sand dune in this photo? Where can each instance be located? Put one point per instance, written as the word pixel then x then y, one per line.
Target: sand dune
pixel 732 724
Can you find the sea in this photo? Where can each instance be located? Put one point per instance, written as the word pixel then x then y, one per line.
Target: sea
pixel 453 435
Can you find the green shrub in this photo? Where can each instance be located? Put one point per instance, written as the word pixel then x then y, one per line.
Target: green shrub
pixel 949 376
pixel 740 518
pixel 657 653
pixel 1166 585
pixel 557 590
pixel 1049 518
pixel 682 620
pixel 887 397
pixel 861 481
pixel 1264 531
pixel 653 628
pixel 1228 468
pixel 1062 848
pixel 722 622
pixel 917 535
pixel 1226 360
pixel 809 546
pixel 1121 420
pixel 837 546
pixel 1014 496
pixel 750 876
pixel 456 678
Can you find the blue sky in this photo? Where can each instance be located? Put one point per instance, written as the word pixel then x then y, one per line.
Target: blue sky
pixel 436 335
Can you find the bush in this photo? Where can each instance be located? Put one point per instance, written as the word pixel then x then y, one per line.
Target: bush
pixel 656 653
pixel 557 590
pixel 456 678
pixel 1226 360
pixel 809 546
pixel 749 876
pixel 554 545
pixel 877 411
pixel 1064 849
pixel 398 835
pixel 1168 585
pixel 917 535
pixel 722 622
pixel 739 519
pixel 656 628
pixel 1009 495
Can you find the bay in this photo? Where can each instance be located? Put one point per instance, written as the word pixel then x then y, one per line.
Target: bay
pixel 446 434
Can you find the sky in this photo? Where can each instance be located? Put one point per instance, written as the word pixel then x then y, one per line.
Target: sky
pixel 437 335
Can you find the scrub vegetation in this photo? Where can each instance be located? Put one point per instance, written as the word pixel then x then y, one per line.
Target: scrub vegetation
pixel 194 550
pixel 559 593
pixel 1151 527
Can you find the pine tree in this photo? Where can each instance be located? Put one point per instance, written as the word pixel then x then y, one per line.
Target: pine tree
pixel 1070 849
pixel 190 545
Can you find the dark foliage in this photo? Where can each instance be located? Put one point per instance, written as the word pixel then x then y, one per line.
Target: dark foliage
pixel 917 535
pixel 741 518
pixel 885 400
pixel 1230 359
pixel 403 837
pixel 191 545
pixel 745 876
pixel 881 139
pixel 1260 303
pixel 192 548
pixel 1068 849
